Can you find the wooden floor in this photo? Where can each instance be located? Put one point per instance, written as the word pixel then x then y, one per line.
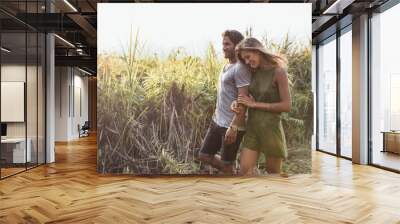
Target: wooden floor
pixel 70 191
pixel 10 171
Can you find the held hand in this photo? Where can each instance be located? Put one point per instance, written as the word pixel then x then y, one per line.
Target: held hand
pixel 248 101
pixel 230 136
pixel 235 107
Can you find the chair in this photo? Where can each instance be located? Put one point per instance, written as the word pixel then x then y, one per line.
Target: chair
pixel 84 130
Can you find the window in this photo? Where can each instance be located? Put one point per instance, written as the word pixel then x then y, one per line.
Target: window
pixel 327 96
pixel 346 93
pixel 385 85
pixel 22 66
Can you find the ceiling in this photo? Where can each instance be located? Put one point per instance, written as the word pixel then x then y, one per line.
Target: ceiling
pixel 75 22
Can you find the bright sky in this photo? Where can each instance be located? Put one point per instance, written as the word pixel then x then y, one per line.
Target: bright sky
pixel 164 27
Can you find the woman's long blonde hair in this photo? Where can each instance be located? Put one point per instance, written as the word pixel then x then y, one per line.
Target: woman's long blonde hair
pixel 252 44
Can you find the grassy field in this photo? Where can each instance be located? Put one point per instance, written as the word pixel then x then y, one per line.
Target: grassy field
pixel 153 112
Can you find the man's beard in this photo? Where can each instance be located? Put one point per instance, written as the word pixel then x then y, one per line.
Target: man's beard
pixel 229 55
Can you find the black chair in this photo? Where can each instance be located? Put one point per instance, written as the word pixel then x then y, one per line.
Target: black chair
pixel 84 130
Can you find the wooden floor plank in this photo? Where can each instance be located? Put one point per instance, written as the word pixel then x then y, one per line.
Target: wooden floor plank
pixel 71 191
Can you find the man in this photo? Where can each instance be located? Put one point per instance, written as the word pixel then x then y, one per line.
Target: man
pixel 227 128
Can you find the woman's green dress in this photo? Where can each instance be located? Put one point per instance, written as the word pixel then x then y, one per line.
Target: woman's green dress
pixel 264 131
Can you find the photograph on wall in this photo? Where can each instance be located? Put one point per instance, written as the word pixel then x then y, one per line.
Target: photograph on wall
pixel 204 89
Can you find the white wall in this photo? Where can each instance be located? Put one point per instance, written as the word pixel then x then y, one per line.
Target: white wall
pixel 62 81
pixel 13 101
pixel 71 87
pixel 80 115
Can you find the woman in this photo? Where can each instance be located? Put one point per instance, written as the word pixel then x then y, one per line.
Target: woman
pixel 269 97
